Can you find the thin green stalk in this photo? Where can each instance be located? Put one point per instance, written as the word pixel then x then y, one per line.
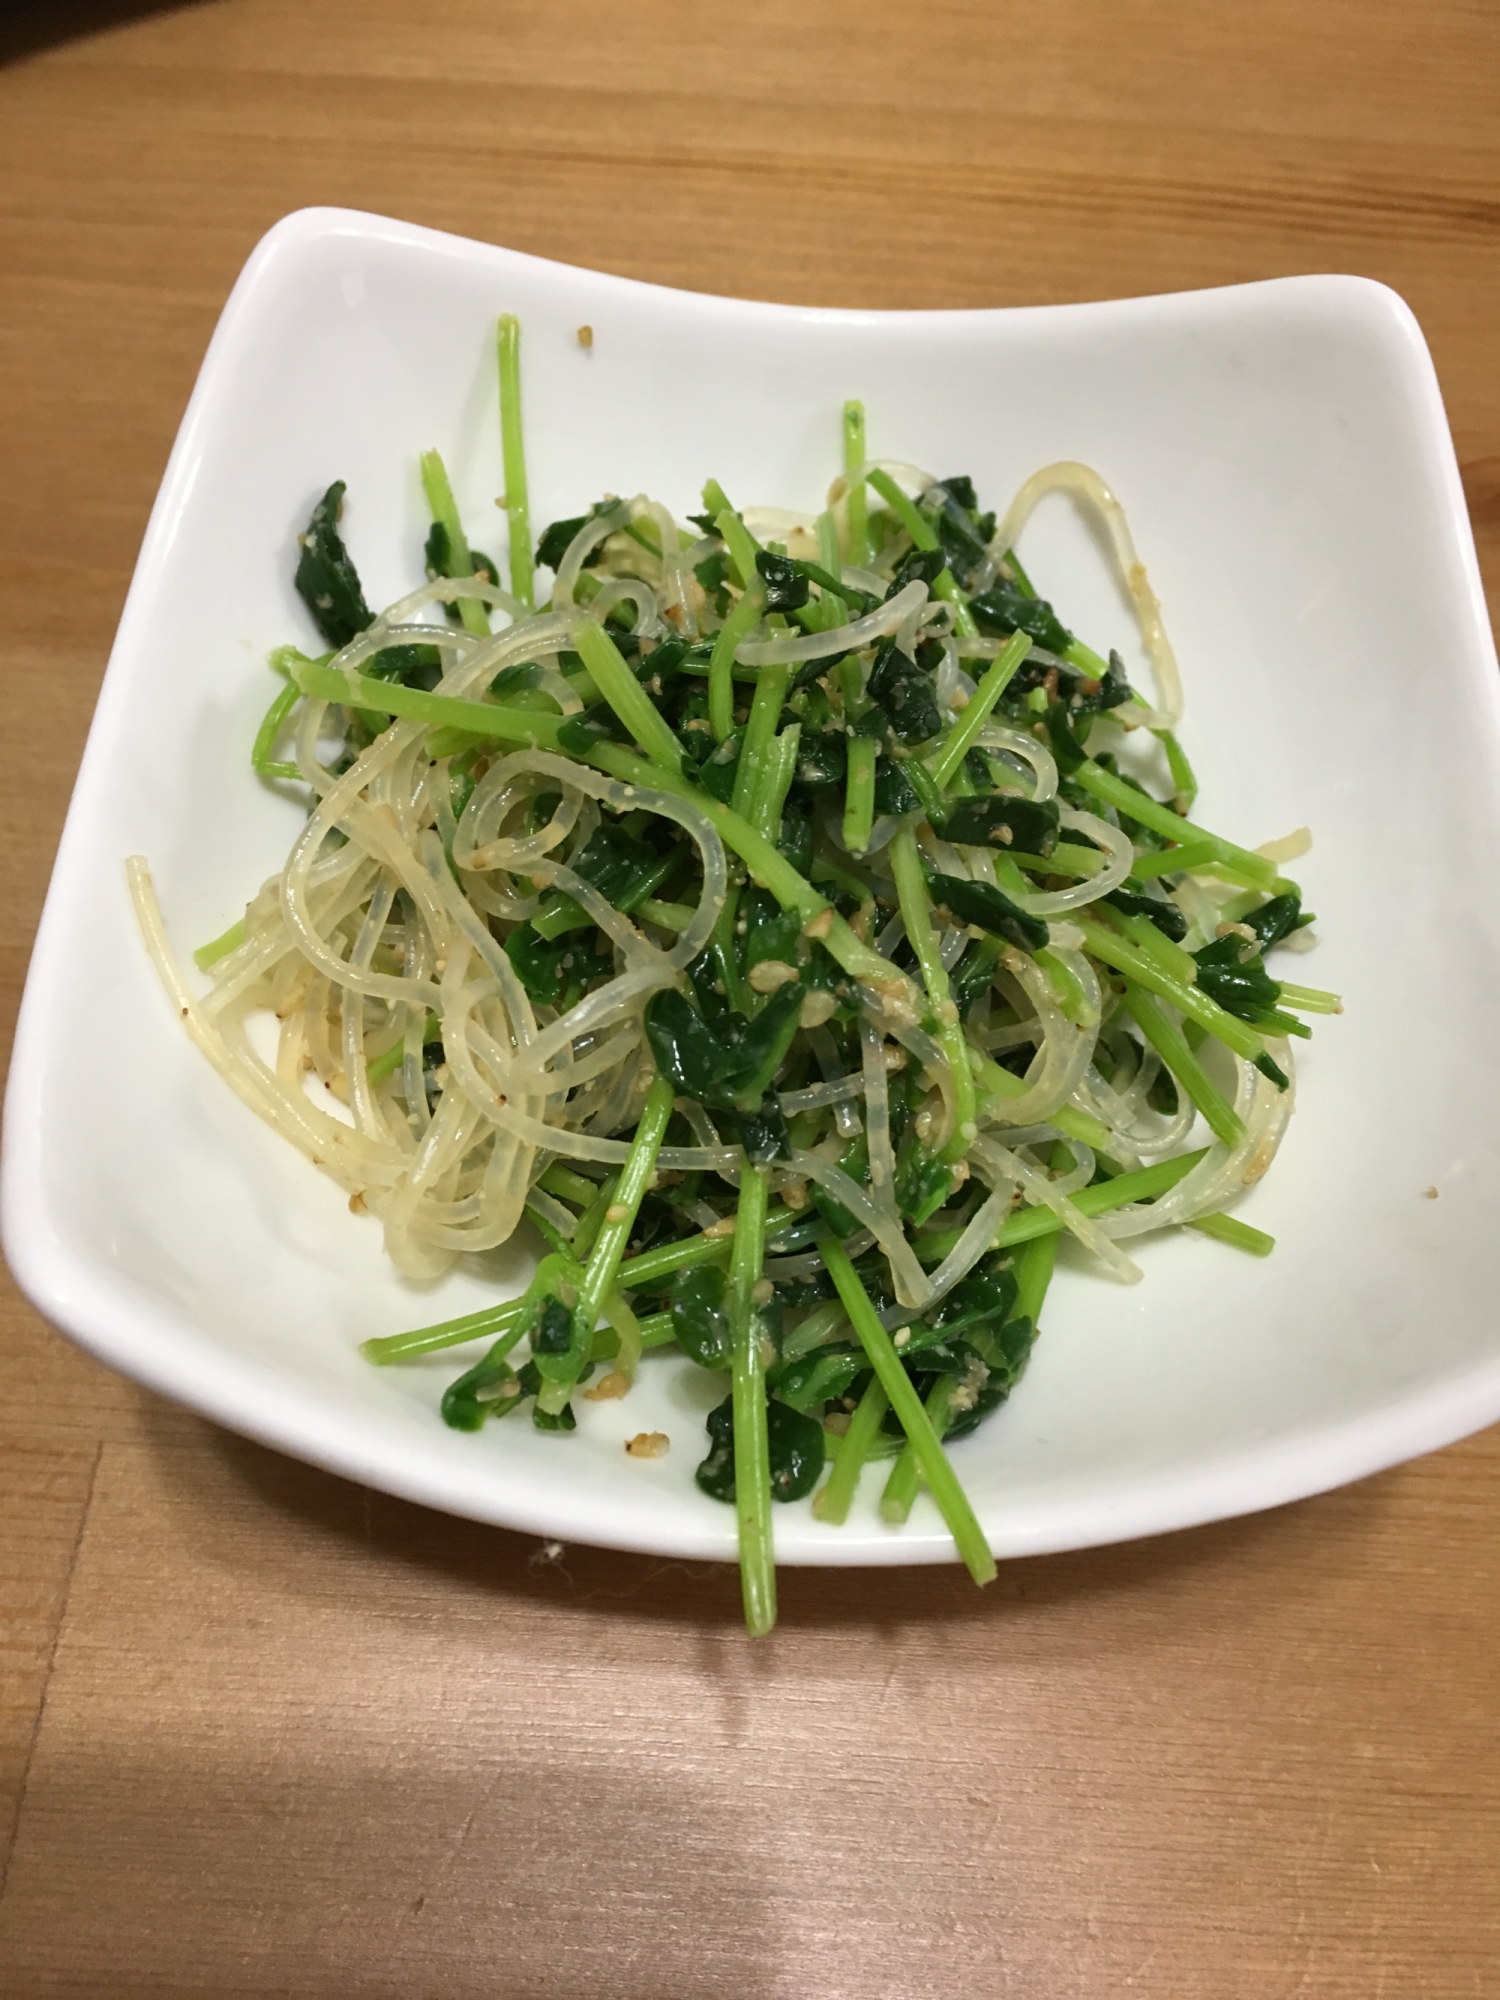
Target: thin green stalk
pixel 603 1272
pixel 924 536
pixel 854 461
pixel 671 916
pixel 776 777
pixel 586 1232
pixel 1067 990
pixel 1065 859
pixel 1229 1229
pixel 656 1330
pixel 1161 819
pixel 645 1272
pixel 765 713
pixel 1033 1270
pixel 262 762
pixel 922 532
pixel 1171 1045
pixel 460 562
pixel 833 1501
pixel 1143 1184
pixel 1182 771
pixel 1086 659
pixel 1310 999
pixel 740 543
pixel 859 793
pixel 1157 946
pixel 821 1325
pixel 1149 863
pixel 490 720
pixel 740 623
pixel 955 746
pixel 1106 943
pixel 626 696
pixel 905 1475
pixel 560 1372
pixel 752 1451
pixel 916 913
pixel 942 1480
pixel 517 508
pixel 221 946
pixel 567 1185
pixel 922 783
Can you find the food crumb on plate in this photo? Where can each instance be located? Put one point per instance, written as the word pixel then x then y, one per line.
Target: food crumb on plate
pixel 647 1444
pixel 608 1388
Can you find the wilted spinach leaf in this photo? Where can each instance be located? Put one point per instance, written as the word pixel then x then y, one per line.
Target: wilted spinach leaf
pixel 700 1316
pixel 1166 916
pixel 905 694
pixel 1007 608
pixel 989 908
pixel 1001 820
pixel 786 588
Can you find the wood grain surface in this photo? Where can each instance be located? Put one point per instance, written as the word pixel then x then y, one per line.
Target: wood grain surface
pixel 264 1733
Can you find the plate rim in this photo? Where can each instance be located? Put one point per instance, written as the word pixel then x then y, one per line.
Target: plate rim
pixel 151 1348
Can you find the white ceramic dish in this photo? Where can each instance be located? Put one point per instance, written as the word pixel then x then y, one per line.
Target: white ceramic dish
pixel 1284 456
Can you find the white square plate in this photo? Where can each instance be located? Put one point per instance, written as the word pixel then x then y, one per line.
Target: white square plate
pixel 1282 451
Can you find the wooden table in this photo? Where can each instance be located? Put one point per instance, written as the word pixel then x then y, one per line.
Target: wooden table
pixel 264 1733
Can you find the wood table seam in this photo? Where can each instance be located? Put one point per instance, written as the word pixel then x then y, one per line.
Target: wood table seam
pixel 18 1811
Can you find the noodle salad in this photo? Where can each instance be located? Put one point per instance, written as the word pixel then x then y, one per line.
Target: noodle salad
pixel 792 920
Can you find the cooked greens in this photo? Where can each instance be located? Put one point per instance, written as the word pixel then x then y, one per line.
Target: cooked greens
pixel 794 920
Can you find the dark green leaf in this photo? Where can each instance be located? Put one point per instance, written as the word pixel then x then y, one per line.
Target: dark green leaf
pixel 822 759
pixel 326 580
pixel 820 1377
pixel 770 931
pixel 1277 919
pixel 786 589
pixel 796 837
pixel 687 1050
pixel 1066 748
pixel 920 566
pixel 905 693
pixel 553 1333
pixel 973 975
pixel 763 1132
pixel 1166 916
pixel 1007 608
pixel 1242 987
pixel 615 863
pixel 700 1317
pixel 538 962
pixel 1116 688
pixel 1001 820
pixel 715 1476
pixel 581 734
pixel 894 792
pixel 545 1421
pixel 713 571
pixel 553 546
pixel 990 909
pixel 922 1187
pixel 717 774
pixel 491 1387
